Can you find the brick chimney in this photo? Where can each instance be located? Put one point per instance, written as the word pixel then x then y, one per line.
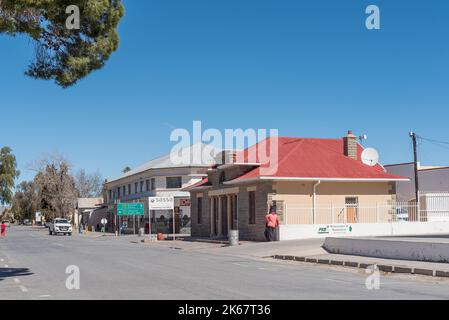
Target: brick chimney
pixel 350 145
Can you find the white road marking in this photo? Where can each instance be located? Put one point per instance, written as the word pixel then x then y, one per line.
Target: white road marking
pixel 16 280
pixel 240 265
pixel 23 289
pixel 45 296
pixel 58 244
pixel 6 266
pixel 2 260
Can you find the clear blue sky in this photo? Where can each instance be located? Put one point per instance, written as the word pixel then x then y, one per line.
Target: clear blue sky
pixel 308 68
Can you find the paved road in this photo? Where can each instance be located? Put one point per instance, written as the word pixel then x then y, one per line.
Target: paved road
pixel 33 265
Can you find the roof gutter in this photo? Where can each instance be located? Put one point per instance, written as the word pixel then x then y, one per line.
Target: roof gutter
pixel 316 179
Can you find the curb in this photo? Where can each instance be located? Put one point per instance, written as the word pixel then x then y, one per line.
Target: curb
pixel 358 265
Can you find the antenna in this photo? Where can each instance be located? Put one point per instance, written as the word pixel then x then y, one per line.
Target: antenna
pixel 370 157
pixel 363 137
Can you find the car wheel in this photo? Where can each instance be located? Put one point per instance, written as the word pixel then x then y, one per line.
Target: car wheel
pixel 70 234
pixel 51 233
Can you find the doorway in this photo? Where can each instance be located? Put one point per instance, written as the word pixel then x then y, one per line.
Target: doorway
pixel 224 215
pixel 352 210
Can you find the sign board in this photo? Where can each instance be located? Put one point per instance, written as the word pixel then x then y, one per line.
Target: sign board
pixel 184 203
pixel 104 221
pixel 38 217
pixel 161 203
pixel 337 229
pixel 130 209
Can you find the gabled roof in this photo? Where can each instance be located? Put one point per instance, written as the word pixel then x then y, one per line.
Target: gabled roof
pixel 89 202
pixel 165 162
pixel 311 159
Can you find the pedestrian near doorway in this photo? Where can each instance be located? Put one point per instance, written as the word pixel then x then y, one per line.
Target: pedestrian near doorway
pixel 272 223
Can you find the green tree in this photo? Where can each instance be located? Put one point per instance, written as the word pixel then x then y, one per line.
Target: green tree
pixel 8 175
pixel 26 200
pixel 126 170
pixel 62 54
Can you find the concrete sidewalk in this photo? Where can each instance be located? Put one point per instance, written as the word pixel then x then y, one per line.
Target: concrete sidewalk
pixel 386 265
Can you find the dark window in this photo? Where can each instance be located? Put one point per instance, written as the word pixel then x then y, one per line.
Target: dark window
pixel 153 184
pixel 141 186
pixel 200 210
pixel 124 190
pixel 252 207
pixel 110 194
pixel 174 182
pixel 118 192
pixel 129 189
pixel 147 185
pixel 136 187
pixel 222 177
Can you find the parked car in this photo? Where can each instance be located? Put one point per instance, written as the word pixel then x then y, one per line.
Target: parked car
pixel 60 226
pixel 27 222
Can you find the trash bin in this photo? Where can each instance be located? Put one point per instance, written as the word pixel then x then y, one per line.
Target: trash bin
pixel 233 237
pixel 142 232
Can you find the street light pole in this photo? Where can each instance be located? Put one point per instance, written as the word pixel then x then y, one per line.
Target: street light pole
pixel 416 167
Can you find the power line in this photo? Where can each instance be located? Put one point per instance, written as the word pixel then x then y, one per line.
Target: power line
pixel 439 143
pixel 433 140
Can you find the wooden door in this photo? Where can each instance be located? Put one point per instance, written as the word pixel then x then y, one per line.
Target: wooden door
pixel 352 210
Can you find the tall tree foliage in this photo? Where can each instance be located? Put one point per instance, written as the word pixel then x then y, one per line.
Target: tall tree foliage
pixel 56 187
pixel 88 185
pixel 26 200
pixel 8 175
pixel 64 55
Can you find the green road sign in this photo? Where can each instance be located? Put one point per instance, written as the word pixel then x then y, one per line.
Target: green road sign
pixel 130 209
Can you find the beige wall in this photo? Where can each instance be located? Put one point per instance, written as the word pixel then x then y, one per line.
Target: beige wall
pixel 373 199
pixel 301 193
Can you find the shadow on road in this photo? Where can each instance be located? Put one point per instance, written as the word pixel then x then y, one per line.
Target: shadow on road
pixel 14 273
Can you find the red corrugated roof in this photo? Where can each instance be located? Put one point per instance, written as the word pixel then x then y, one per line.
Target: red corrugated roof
pixel 201 183
pixel 308 158
pixel 314 158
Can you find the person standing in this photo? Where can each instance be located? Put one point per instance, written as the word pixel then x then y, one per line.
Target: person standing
pixel 272 223
pixel 3 229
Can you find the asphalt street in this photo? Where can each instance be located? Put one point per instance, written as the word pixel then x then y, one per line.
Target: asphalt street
pixel 33 266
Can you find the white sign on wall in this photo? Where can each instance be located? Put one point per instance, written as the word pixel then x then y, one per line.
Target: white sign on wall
pixel 161 203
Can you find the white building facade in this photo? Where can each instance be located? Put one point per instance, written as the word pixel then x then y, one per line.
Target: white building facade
pixel 157 178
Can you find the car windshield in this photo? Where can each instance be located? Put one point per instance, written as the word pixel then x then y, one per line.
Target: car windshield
pixel 61 221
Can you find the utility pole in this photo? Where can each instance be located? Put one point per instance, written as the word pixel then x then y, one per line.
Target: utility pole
pixel 415 161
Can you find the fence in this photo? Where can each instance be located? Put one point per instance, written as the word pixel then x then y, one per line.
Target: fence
pixel 433 207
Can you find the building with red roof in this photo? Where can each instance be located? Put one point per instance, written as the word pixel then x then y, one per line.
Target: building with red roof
pixel 308 181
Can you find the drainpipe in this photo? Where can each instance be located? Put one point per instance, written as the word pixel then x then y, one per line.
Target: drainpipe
pixel 314 200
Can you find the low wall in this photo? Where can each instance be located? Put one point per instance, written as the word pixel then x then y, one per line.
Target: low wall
pixel 296 232
pixel 390 249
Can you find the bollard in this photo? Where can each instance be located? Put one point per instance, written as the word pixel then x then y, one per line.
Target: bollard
pixel 233 238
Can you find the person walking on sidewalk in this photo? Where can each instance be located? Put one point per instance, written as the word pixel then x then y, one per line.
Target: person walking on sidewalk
pixel 272 223
pixel 3 229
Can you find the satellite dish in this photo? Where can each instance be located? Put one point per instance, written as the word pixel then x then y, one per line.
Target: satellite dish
pixel 370 157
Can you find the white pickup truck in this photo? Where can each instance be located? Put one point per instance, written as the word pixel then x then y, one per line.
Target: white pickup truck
pixel 60 226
